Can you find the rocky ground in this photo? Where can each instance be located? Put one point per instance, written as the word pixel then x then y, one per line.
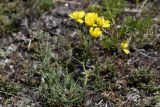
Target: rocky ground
pixel 127 81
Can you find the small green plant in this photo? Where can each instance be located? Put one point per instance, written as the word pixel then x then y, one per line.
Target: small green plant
pixel 104 76
pixel 142 78
pixel 94 25
pixel 58 86
pixel 8 88
pixel 132 24
pixel 133 30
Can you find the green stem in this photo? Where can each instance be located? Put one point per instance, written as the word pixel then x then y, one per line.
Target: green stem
pixel 84 68
pixel 86 74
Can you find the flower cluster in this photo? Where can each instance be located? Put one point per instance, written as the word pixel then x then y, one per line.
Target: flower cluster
pixel 95 25
pixel 91 20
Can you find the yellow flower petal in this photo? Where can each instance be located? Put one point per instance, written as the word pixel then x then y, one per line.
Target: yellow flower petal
pixel 124 44
pixel 90 18
pixel 80 20
pixel 126 51
pixel 77 15
pixel 81 14
pixel 102 22
pixel 73 15
pixel 95 32
pixel 106 24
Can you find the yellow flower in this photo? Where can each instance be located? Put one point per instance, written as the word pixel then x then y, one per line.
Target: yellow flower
pixel 102 22
pixel 90 19
pixel 95 32
pixel 124 46
pixel 77 15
